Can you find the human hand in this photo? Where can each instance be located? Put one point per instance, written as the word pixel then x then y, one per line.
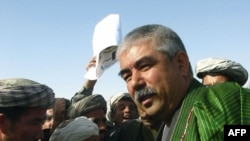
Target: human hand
pixel 91 63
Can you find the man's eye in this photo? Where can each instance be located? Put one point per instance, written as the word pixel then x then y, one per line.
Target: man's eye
pixel 144 67
pixel 126 77
pixel 122 107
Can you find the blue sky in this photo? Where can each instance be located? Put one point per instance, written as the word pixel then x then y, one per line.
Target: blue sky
pixel 50 41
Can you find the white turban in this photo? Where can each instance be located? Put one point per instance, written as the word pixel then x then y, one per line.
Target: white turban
pixel 77 129
pixel 113 101
pixel 222 66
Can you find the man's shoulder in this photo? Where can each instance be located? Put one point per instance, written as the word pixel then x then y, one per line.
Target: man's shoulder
pixel 225 100
pixel 129 130
pixel 226 90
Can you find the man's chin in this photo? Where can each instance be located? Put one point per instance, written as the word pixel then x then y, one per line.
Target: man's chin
pixel 152 111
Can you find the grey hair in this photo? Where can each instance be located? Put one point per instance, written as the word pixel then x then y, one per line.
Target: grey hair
pixel 163 38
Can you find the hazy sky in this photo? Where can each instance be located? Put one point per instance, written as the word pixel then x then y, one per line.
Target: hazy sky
pixel 50 41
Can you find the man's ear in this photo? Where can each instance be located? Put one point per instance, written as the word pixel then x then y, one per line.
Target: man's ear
pixel 5 123
pixel 183 62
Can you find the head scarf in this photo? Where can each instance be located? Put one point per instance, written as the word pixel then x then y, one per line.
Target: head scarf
pixel 87 104
pixel 227 67
pixel 113 101
pixel 20 92
pixel 77 129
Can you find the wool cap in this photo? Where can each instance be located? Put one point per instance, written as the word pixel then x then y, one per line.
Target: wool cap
pixel 230 68
pixel 77 129
pixel 21 92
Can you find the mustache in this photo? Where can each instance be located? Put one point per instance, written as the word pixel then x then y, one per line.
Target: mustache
pixel 144 92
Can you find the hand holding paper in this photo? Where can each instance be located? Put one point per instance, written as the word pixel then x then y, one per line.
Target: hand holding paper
pixel 107 35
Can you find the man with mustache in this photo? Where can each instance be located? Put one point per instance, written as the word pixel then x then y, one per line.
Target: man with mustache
pixel 156 68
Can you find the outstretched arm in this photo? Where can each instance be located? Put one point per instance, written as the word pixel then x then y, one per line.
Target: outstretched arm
pixel 88 85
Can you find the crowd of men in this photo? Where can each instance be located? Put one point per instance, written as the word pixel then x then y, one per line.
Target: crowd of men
pixel 164 101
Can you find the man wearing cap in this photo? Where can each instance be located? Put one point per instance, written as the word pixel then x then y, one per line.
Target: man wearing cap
pixel 23 105
pixel 218 70
pixel 78 129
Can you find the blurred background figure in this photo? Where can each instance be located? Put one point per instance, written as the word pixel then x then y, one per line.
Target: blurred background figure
pixel 78 129
pixel 120 108
pixel 49 119
pixel 218 70
pixel 59 111
pixel 47 126
pixel 143 129
pixel 54 116
pixel 93 107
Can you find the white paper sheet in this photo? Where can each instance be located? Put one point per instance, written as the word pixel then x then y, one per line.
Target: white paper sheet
pixel 106 38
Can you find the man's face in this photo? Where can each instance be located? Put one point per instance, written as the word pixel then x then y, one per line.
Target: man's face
pixel 158 80
pixel 28 127
pixel 209 80
pixel 98 117
pixel 124 110
pixel 49 119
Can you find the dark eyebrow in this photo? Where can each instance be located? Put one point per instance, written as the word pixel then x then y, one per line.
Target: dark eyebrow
pixel 137 63
pixel 122 72
pixel 144 59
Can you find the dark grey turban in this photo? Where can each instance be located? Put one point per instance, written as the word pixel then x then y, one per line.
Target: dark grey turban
pixel 227 67
pixel 19 92
pixel 85 105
